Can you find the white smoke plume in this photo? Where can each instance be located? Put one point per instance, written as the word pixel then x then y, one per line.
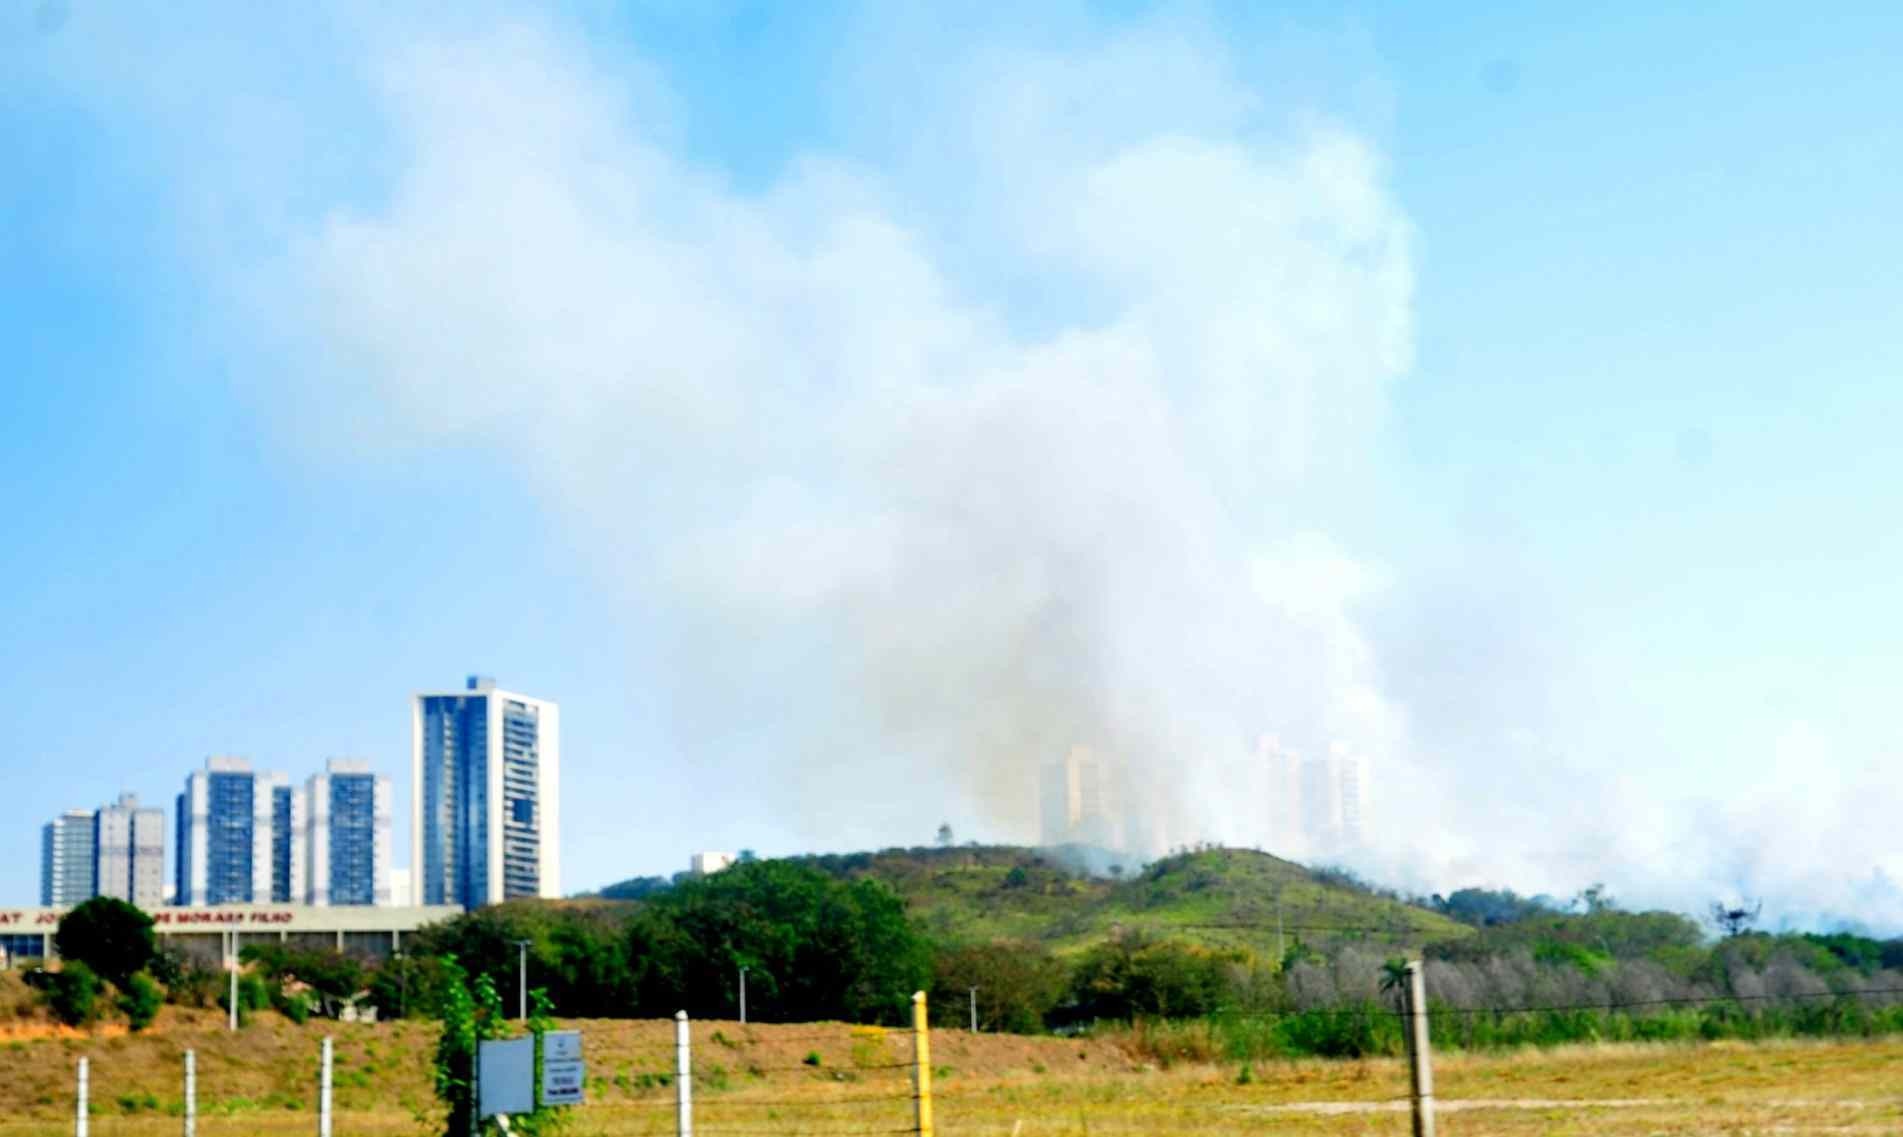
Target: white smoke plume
pixel 931 547
pixel 1064 428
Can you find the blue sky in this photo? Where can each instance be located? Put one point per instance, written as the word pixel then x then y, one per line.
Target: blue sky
pixel 1578 464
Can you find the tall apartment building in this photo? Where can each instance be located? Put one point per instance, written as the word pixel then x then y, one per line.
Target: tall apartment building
pixel 238 835
pixel 1282 769
pixel 129 853
pixel 66 859
pixel 1078 801
pixel 1334 793
pixel 348 835
pixel 485 778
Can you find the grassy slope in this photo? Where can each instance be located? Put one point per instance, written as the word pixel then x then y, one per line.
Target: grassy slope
pixel 966 894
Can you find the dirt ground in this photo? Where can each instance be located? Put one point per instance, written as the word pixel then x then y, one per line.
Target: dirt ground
pixel 833 1079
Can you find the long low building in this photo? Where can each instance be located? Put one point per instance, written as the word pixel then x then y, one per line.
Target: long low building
pixel 27 933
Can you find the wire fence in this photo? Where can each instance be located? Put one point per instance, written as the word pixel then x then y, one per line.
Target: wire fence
pixel 745 1080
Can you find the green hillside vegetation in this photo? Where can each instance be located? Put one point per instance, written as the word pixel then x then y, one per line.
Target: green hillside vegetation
pixel 1186 952
pixel 1219 898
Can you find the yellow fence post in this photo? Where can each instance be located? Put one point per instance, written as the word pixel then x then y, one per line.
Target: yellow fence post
pixel 921 1068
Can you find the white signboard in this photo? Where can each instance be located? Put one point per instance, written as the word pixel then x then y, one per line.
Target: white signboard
pixel 562 1068
pixel 561 1046
pixel 505 1076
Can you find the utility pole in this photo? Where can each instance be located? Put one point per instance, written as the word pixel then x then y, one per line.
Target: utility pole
pixel 974 1010
pixel 743 996
pixel 522 979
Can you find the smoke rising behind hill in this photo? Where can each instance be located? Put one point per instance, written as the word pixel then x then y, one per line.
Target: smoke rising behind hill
pixel 1067 427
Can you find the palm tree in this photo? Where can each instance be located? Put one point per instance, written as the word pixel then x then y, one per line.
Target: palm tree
pixel 1394 978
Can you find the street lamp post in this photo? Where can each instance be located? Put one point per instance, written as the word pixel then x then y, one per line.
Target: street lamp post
pixel 974 1010
pixel 743 996
pixel 231 964
pixel 403 985
pixel 522 979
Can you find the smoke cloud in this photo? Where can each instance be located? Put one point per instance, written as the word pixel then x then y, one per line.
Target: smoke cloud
pixel 1064 428
pixel 922 545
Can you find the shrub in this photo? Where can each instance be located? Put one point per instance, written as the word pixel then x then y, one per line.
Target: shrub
pixel 73 994
pixel 190 986
pixel 140 998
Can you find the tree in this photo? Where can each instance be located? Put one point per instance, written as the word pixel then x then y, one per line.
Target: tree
pixel 1595 899
pixel 108 935
pixel 1018 984
pixel 1135 975
pixel 815 947
pixel 1735 921
pixel 945 838
pixel 471 1014
pixel 1484 907
pixel 1394 979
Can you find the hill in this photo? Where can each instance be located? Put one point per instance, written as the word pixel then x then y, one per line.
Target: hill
pixel 1219 897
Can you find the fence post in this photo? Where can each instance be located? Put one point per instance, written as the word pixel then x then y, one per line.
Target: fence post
pixel 79 1109
pixel 191 1093
pixel 921 1068
pixel 683 1078
pixel 1421 1063
pixel 323 1095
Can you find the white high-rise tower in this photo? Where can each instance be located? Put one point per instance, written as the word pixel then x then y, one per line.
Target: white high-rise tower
pixel 237 832
pixel 129 857
pixel 1078 800
pixel 485 780
pixel 1334 795
pixel 347 836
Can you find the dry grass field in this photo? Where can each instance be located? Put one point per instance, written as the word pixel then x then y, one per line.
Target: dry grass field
pixel 821 1079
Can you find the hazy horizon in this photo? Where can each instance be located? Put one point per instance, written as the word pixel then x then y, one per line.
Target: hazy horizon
pixel 841 410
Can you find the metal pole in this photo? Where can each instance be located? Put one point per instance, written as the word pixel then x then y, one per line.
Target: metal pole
pixel 743 996
pixel 1421 1066
pixel 475 1090
pixel 522 980
pixel 231 964
pixel 79 1109
pixel 323 1095
pixel 683 1078
pixel 191 1093
pixel 921 1068
pixel 974 1010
